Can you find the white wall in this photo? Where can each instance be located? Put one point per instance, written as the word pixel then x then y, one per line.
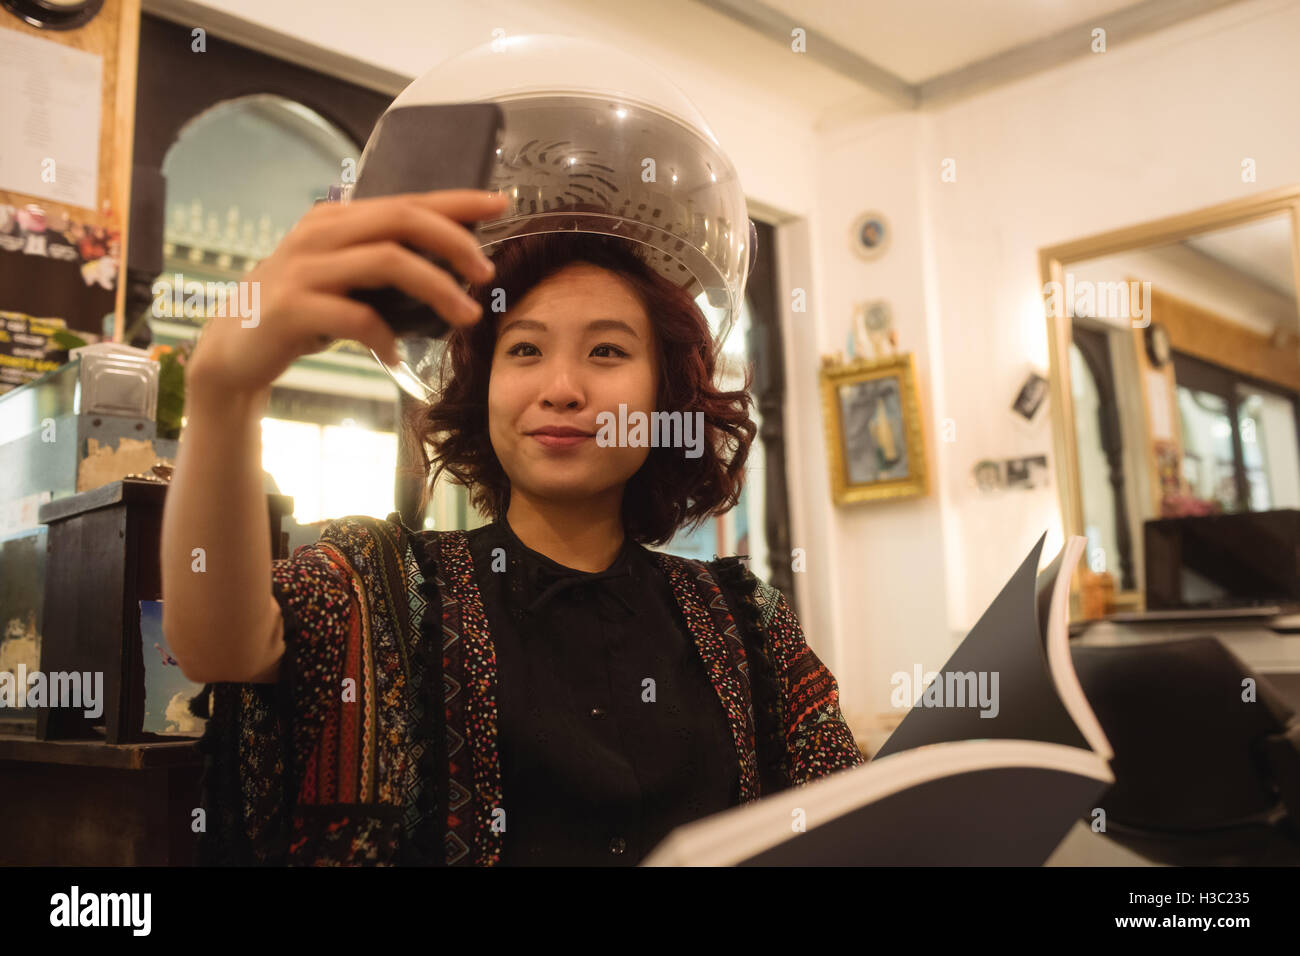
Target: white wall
pixel 885 563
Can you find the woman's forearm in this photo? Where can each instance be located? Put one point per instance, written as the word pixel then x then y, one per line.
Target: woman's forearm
pixel 219 616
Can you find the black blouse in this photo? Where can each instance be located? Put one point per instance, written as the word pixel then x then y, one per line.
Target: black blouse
pixel 610 732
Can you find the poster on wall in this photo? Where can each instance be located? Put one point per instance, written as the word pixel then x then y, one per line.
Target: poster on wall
pixel 51 131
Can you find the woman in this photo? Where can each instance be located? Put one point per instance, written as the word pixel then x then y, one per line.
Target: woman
pixel 544 689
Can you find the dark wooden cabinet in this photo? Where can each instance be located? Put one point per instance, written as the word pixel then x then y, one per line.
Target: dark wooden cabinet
pixel 102 561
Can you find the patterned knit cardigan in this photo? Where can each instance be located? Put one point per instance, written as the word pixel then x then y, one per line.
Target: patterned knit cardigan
pixel 342 761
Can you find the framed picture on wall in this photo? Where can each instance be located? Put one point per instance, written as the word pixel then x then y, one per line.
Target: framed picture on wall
pixel 874 437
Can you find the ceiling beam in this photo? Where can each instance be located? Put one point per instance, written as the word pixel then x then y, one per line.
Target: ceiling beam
pixel 821 49
pixel 1071 43
pixel 1035 56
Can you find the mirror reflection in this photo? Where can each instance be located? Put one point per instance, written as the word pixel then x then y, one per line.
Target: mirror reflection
pixel 1185 376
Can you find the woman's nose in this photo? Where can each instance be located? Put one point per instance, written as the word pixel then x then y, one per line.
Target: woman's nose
pixel 562 387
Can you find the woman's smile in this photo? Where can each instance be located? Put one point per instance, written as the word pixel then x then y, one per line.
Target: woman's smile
pixel 559 442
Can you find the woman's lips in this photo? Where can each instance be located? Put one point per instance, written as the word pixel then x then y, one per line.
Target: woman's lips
pixel 560 441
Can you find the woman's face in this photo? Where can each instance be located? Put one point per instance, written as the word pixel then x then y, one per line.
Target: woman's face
pixel 578 344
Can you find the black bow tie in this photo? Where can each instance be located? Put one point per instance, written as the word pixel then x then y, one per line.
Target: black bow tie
pixel 552 583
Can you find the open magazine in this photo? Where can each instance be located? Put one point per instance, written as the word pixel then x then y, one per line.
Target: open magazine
pixel 966 778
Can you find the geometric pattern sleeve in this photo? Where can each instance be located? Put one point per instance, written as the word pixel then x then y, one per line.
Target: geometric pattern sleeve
pixel 320 611
pixel 818 739
pixel 260 736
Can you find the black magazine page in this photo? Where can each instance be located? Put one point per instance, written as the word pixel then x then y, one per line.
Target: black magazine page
pixel 1002 661
pixel 1002 816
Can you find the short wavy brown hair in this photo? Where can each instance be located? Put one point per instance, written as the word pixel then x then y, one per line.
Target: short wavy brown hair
pixel 669 491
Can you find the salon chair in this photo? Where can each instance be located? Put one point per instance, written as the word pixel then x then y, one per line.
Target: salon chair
pixel 1202 778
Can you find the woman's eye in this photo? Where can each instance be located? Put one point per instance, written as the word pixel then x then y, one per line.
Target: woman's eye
pixel 618 350
pixel 514 349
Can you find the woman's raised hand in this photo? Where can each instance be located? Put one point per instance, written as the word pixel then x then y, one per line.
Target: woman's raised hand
pixel 302 287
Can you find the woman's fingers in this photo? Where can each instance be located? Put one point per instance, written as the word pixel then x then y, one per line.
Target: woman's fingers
pixel 382 264
pixel 336 317
pixel 464 205
pixel 405 220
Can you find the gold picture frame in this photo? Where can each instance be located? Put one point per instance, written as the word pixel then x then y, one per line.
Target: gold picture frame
pixel 874 436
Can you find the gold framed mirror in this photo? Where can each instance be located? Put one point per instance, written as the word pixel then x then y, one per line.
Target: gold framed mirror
pixel 1175 380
